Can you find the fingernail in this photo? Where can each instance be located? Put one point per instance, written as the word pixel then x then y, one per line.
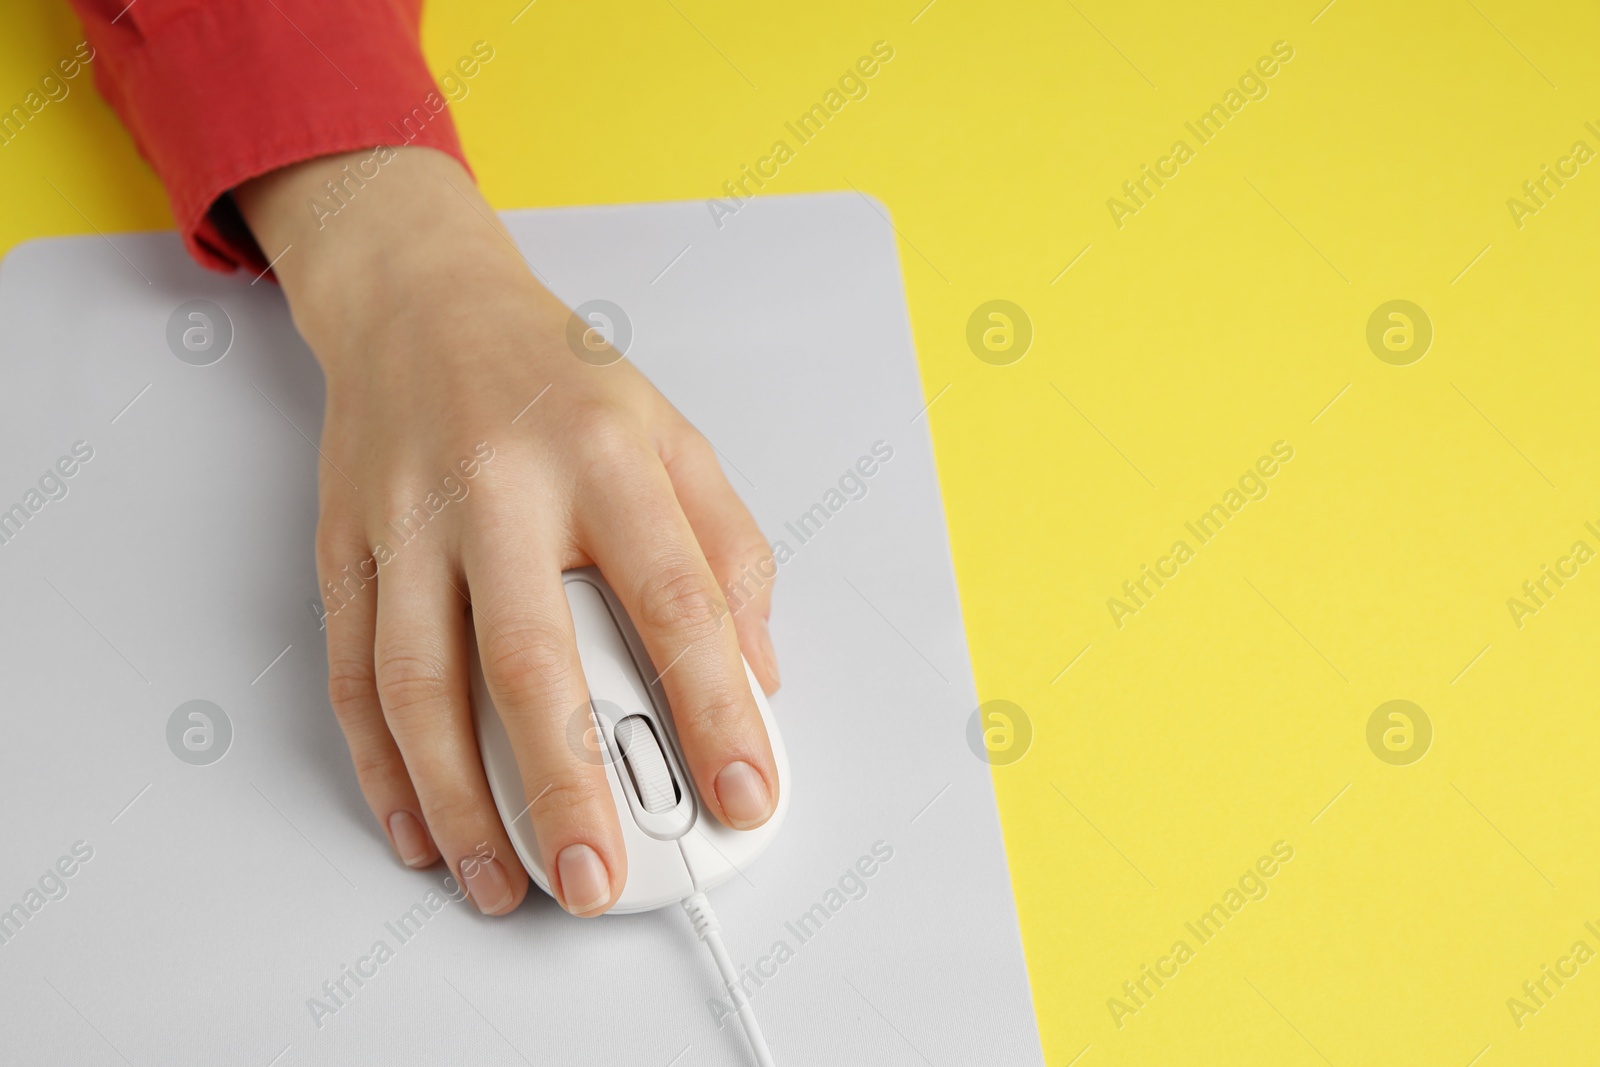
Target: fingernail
pixel 488 884
pixel 768 653
pixel 743 795
pixel 410 839
pixel 584 880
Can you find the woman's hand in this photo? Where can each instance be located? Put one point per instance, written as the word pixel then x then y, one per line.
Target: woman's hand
pixel 445 495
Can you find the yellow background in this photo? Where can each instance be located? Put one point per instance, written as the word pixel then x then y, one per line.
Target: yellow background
pixel 1223 317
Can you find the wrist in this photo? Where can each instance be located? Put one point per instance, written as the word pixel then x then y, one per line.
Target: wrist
pixel 358 237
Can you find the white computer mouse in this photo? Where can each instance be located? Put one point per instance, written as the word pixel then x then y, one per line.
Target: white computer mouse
pixel 675 846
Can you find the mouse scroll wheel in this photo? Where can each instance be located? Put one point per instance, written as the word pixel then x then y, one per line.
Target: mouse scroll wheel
pixel 641 751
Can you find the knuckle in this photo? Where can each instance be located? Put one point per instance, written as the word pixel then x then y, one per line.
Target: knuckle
pixel 608 440
pixel 410 677
pixel 600 420
pixel 342 556
pixel 372 763
pixel 402 504
pixel 352 687
pixel 345 580
pixel 525 658
pixel 720 717
pixel 455 815
pixel 683 600
pixel 697 449
pixel 564 798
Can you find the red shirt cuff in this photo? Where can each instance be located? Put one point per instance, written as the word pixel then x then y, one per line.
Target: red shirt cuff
pixel 216 92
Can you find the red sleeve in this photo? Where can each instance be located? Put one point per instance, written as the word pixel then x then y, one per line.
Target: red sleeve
pixel 216 92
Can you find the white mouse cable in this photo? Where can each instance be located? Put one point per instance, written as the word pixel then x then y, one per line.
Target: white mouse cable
pixel 698 908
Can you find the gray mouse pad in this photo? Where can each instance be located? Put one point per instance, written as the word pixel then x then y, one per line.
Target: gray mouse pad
pixel 182 890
